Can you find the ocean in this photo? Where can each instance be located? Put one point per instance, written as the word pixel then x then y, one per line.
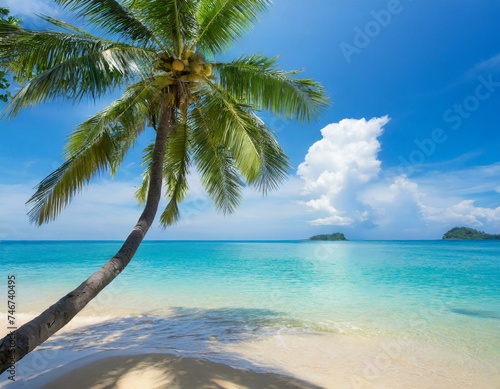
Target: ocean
pixel 414 302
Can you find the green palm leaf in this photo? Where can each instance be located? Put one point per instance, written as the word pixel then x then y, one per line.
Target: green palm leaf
pixel 57 190
pixel 173 21
pixel 65 26
pixel 275 165
pixel 218 172
pixel 223 21
pixel 141 193
pixel 113 17
pixel 67 65
pixel 99 144
pixel 131 111
pixel 256 81
pixel 175 172
pixel 232 124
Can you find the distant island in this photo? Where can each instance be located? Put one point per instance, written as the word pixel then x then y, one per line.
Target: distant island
pixel 466 233
pixel 334 236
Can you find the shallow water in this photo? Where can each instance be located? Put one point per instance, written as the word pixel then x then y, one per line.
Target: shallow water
pixel 434 295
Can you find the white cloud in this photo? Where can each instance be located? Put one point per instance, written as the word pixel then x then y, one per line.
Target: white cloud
pixel 348 151
pixel 345 186
pixel 464 212
pixel 340 163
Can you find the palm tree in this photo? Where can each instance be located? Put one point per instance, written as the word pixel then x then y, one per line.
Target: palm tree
pixel 162 54
pixel 5 18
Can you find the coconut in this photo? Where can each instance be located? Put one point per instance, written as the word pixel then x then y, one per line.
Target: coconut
pixel 178 65
pixel 207 70
pixel 196 66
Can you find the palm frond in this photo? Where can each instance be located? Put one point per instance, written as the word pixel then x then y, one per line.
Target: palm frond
pixel 131 111
pixel 231 122
pixel 67 65
pixel 57 190
pixel 224 21
pixel 219 175
pixel 173 21
pixel 141 193
pixel 7 27
pixel 256 81
pixel 275 165
pixel 63 25
pixel 112 17
pixel 175 172
pixel 99 144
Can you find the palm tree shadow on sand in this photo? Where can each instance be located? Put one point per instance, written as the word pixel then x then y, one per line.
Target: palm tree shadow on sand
pixel 150 351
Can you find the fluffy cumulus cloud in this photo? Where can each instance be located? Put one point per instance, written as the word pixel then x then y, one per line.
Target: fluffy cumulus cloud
pixel 340 164
pixel 345 186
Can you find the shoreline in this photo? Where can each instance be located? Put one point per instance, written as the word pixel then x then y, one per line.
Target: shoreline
pixel 283 358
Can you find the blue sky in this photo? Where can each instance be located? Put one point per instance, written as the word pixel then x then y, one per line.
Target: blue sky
pixel 409 149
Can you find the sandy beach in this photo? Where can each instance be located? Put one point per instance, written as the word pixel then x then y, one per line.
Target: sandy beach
pixel 157 371
pixel 286 360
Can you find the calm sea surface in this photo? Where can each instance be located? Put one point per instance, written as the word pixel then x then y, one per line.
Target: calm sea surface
pixel 430 291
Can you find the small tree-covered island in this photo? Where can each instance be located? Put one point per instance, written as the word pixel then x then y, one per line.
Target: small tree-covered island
pixel 334 236
pixel 466 233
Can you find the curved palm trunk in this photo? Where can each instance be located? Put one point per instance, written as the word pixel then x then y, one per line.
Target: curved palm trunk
pixel 17 344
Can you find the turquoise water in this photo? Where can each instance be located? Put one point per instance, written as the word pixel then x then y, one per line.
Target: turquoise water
pixel 433 291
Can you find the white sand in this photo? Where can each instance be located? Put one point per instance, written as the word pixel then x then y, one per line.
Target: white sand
pixel 157 371
pixel 313 360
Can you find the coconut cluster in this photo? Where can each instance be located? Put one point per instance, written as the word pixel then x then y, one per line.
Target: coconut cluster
pixel 192 66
